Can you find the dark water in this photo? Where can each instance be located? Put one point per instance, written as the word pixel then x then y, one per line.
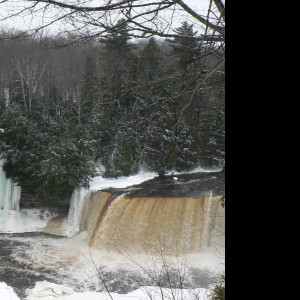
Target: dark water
pixel 14 273
pixel 19 270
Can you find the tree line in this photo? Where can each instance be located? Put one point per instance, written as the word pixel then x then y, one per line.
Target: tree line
pixel 127 104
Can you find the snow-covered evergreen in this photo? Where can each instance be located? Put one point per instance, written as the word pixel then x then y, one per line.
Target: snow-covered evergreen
pixel 130 105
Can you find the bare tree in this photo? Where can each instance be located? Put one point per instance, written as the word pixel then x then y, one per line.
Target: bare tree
pixel 29 76
pixel 91 19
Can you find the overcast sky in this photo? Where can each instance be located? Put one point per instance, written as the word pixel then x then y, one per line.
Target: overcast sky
pixel 24 23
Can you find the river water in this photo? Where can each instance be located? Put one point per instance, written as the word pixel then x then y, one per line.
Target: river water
pixel 26 258
pixel 29 255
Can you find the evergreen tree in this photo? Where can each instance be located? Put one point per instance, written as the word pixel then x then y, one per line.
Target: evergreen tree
pixel 185 49
pixel 42 159
pixel 151 60
pixel 118 40
pixel 123 106
pixel 120 66
pixel 89 90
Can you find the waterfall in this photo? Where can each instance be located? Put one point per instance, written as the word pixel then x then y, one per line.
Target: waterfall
pixel 76 205
pixel 138 224
pixel 10 193
pixel 113 221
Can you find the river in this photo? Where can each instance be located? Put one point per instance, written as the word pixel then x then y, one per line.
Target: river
pixel 27 258
pixel 86 256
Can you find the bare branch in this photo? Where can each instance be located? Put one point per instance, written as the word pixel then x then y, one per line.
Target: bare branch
pixel 221 8
pixel 199 18
pixel 144 18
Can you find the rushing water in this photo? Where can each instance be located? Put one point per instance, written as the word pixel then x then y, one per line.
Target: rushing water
pixel 112 240
pixel 26 258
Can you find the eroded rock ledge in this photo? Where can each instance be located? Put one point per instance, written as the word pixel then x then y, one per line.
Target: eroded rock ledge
pixel 177 186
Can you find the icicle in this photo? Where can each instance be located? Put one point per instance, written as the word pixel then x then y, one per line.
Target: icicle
pixel 10 193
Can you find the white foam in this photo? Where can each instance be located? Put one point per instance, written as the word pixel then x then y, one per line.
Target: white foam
pixel 25 220
pixel 74 262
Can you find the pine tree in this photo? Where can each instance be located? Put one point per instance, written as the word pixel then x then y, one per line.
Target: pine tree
pixel 118 40
pixel 89 90
pixel 184 48
pixel 151 60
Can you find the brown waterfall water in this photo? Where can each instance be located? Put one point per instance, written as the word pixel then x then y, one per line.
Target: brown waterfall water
pixel 130 231
pixel 57 226
pixel 149 224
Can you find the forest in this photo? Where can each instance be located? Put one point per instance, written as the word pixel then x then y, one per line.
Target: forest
pixel 123 103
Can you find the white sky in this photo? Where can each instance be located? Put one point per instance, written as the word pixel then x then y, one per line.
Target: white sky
pixel 24 23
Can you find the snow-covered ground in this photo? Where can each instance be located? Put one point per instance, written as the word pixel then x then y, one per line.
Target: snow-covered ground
pixel 98 183
pixel 45 290
pixel 7 293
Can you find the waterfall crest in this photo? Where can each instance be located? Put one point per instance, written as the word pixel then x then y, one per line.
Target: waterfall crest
pixel 139 224
pixel 184 216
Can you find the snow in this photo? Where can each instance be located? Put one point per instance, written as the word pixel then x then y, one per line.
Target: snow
pixel 98 183
pixel 45 290
pixel 7 292
pixel 198 169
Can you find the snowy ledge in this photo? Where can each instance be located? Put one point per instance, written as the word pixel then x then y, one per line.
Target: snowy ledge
pixel 100 183
pixel 51 291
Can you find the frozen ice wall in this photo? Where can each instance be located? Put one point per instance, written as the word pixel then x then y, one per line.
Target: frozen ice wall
pixel 10 193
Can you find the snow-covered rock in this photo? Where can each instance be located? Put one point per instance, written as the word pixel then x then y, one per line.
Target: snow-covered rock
pixel 44 290
pixel 7 292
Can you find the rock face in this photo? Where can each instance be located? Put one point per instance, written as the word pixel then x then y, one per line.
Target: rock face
pixel 176 186
pixel 32 201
